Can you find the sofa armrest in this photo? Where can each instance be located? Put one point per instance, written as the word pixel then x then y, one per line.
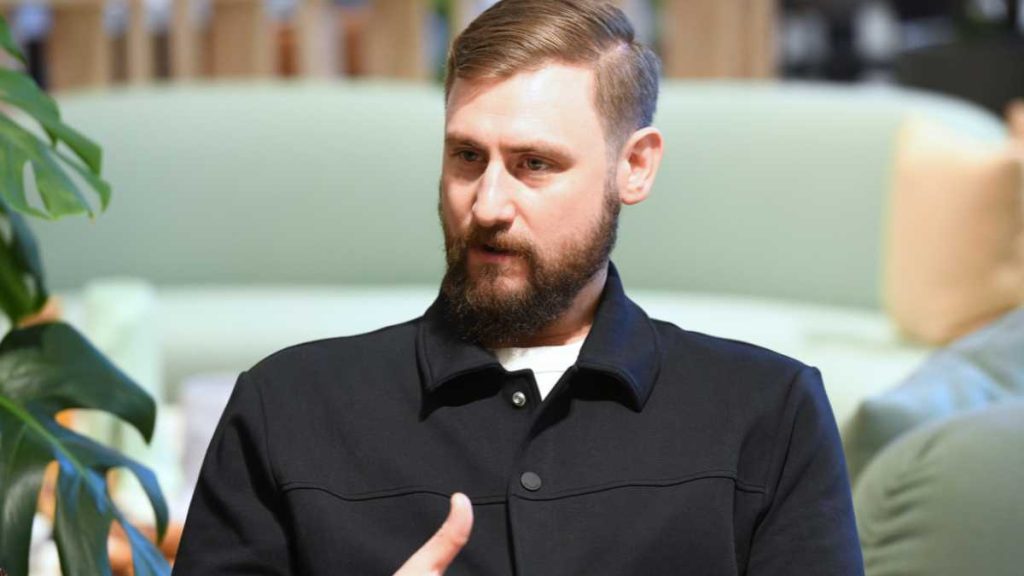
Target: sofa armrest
pixel 944 499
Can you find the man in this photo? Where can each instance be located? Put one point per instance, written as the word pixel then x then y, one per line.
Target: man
pixel 582 437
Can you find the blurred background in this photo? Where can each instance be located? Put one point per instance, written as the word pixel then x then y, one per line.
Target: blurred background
pixel 969 48
pixel 843 183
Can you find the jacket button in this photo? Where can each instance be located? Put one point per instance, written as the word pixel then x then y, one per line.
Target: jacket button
pixel 519 399
pixel 530 481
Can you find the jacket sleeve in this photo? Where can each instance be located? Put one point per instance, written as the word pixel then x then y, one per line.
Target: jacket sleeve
pixel 235 523
pixel 809 526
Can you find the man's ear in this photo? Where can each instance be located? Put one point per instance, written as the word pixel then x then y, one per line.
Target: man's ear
pixel 638 164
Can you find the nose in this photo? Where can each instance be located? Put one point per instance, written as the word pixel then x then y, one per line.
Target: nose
pixel 493 206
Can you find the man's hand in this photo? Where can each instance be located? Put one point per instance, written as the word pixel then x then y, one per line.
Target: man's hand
pixel 437 554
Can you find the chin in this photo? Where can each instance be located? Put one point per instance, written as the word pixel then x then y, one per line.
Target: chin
pixel 507 271
pixel 497 281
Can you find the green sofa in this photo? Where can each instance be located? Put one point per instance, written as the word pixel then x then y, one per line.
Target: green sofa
pixel 250 216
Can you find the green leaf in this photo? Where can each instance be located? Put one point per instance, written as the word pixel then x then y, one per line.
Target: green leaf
pixel 99 458
pixel 18 146
pixel 25 251
pixel 86 150
pixel 22 282
pixel 146 559
pixel 60 194
pixel 44 369
pixel 84 507
pixel 23 459
pixel 81 525
pixel 8 44
pixel 23 92
pixel 98 184
pixel 12 180
pixel 16 294
pixel 54 367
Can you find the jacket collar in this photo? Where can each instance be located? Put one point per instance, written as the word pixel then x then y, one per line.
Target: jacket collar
pixel 622 345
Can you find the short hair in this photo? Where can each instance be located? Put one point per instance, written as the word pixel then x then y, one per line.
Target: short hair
pixel 516 36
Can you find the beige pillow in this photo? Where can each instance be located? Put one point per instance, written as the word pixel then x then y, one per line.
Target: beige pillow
pixel 955 241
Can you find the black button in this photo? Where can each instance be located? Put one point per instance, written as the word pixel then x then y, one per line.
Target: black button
pixel 530 481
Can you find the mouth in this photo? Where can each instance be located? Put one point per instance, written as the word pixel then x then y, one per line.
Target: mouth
pixel 492 249
pixel 491 253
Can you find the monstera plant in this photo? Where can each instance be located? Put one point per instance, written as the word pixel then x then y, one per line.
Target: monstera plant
pixel 49 367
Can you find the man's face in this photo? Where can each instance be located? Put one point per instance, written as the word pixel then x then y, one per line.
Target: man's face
pixel 528 202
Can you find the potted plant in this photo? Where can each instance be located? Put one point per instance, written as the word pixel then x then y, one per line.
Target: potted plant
pixel 48 366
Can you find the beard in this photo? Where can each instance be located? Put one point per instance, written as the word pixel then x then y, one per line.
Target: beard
pixel 485 311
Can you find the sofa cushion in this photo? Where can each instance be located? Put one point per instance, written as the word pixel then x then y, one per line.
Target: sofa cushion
pixel 955 250
pixel 945 498
pixel 985 367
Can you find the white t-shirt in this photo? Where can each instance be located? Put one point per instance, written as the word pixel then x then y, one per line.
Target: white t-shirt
pixel 547 362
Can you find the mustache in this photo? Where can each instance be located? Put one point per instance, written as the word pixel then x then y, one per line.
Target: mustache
pixel 496 238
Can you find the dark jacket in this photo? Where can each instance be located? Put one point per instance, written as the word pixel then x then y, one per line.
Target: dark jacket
pixel 662 451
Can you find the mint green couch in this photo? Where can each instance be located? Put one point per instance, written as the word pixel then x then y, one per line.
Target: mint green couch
pixel 247 217
pixel 771 201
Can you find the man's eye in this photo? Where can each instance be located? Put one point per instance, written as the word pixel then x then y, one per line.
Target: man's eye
pixel 468 156
pixel 536 165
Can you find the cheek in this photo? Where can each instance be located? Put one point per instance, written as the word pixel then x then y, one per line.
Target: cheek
pixel 558 225
pixel 571 206
pixel 455 204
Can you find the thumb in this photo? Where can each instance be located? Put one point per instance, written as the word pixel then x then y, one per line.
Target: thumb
pixel 437 554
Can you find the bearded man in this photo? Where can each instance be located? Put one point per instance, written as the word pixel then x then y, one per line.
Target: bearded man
pixel 577 435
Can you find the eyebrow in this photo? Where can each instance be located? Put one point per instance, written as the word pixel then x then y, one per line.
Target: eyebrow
pixel 541 147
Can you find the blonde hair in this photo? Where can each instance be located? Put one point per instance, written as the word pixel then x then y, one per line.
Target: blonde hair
pixel 516 36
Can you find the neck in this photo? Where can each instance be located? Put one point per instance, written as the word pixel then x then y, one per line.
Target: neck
pixel 575 323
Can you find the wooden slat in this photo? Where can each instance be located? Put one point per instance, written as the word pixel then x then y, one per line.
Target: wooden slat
pixel 395 39
pixel 139 44
pixel 240 39
pixel 316 25
pixel 762 46
pixel 719 38
pixel 78 54
pixel 184 40
pixel 352 31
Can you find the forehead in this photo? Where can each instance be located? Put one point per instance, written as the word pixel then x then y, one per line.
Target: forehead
pixel 555 101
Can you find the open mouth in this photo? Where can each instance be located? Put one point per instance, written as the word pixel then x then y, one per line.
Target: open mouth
pixel 493 250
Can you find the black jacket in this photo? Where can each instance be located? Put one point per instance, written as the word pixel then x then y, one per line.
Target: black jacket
pixel 662 451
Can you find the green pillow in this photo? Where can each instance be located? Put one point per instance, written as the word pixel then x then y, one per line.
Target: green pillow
pixel 945 498
pixel 980 369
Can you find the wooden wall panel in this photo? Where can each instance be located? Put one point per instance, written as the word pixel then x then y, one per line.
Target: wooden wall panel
pixel 700 38
pixel 184 40
pixel 139 44
pixel 79 49
pixel 396 39
pixel 316 25
pixel 762 47
pixel 719 38
pixel 240 39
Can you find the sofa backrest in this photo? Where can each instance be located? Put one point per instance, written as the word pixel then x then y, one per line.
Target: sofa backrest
pixel 776 190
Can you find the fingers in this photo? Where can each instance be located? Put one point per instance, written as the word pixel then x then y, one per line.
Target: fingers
pixel 437 554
